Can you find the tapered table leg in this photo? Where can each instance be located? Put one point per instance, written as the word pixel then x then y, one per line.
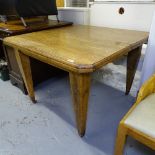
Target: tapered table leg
pixel 132 63
pixel 25 68
pixel 80 87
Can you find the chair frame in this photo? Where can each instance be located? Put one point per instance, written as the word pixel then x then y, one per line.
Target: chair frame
pixel 125 130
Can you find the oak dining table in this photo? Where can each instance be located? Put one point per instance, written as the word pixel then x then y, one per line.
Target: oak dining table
pixel 79 50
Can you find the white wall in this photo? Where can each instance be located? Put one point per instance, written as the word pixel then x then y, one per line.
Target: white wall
pixel 136 16
pixel 75 15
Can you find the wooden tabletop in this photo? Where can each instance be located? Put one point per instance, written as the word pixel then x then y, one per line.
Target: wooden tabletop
pixel 78 48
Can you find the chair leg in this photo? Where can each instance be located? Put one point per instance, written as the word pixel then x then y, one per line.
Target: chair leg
pixel 120 140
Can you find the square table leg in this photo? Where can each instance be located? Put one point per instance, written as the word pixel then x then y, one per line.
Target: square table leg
pixel 132 63
pixel 80 87
pixel 25 68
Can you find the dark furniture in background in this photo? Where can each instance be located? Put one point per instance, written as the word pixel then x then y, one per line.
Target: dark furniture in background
pixel 1 48
pixel 27 8
pixel 40 70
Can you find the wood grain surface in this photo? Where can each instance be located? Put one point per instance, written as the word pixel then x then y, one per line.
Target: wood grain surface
pixel 78 48
pixel 14 27
pixel 125 130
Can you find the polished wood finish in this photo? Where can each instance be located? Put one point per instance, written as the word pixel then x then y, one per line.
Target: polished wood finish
pixel 125 130
pixel 25 68
pixel 80 87
pixel 132 63
pixel 80 50
pixel 14 27
pixel 121 139
pixel 40 71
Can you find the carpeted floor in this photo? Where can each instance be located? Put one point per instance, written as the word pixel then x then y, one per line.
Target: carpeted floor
pixel 48 128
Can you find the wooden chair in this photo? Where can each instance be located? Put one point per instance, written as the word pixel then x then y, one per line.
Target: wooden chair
pixel 139 122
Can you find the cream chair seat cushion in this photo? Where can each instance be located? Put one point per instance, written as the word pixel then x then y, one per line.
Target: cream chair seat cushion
pixel 142 118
